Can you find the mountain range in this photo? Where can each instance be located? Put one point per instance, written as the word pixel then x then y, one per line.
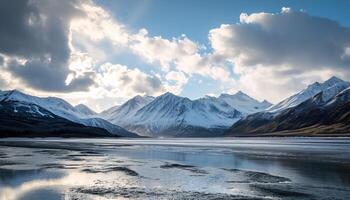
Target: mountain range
pixel 321 108
pixel 18 119
pixel 18 104
pixel 174 116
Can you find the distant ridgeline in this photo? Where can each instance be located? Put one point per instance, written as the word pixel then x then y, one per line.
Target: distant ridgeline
pixel 322 109
pixel 319 109
pixel 30 116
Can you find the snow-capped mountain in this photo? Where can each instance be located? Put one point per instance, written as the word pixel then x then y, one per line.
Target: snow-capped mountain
pixel 326 112
pixel 330 88
pixel 171 115
pixel 319 107
pixel 63 109
pixel 121 114
pixel 84 110
pixel 244 103
pixel 55 105
pixel 23 119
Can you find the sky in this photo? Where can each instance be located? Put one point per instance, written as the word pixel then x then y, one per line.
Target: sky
pixel 102 53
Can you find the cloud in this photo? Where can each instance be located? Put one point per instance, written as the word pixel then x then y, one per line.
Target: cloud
pixel 122 81
pixel 69 45
pixel 175 54
pixel 102 35
pixel 286 50
pixel 268 83
pixel 44 51
pixel 164 51
pixel 289 38
pixel 181 54
pixel 37 34
pixel 48 77
pixel 175 81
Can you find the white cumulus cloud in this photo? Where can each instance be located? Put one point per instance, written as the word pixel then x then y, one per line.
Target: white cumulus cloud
pixel 287 50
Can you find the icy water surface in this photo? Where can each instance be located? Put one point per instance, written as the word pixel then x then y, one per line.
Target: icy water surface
pixel 220 168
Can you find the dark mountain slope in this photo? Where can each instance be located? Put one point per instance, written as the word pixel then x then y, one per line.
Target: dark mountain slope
pixel 18 119
pixel 314 116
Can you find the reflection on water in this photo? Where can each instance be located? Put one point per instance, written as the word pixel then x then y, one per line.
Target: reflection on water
pixel 302 168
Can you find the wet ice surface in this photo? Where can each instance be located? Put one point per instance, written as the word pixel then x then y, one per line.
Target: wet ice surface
pixel 229 168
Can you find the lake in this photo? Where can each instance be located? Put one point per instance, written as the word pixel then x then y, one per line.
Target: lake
pixel 186 168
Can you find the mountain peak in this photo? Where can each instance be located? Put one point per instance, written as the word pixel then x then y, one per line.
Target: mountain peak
pixel 116 114
pixel 328 83
pixel 140 98
pixel 224 95
pixel 168 95
pixel 240 93
pixel 81 106
pixel 133 102
pixel 208 97
pixel 243 102
pixel 335 79
pixel 15 92
pixel 329 89
pixel 84 109
pixel 266 103
pixel 170 114
pixel 237 94
pixel 137 97
pixel 15 95
pixel 332 81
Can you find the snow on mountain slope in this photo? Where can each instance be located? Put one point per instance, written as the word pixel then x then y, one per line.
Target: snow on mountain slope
pixel 29 109
pixel 22 119
pixel 121 114
pixel 84 110
pixel 171 114
pixel 329 88
pixel 153 116
pixel 341 97
pixel 266 104
pixel 244 103
pixel 106 114
pixel 55 105
pixel 320 114
pixel 63 109
pixel 112 128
